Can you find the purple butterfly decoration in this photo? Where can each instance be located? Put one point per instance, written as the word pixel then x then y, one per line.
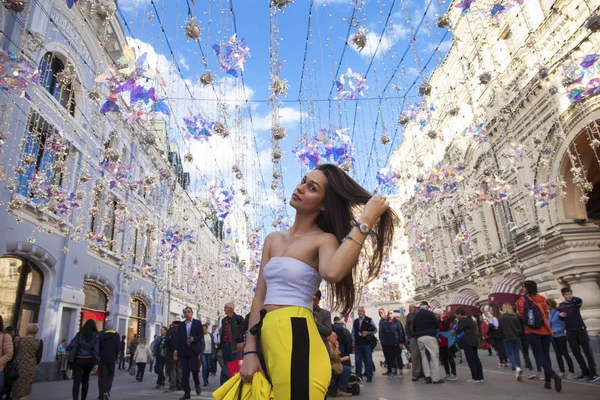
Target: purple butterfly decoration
pixel 465 5
pixel 161 106
pixel 589 60
pixel 109 106
pixel 71 3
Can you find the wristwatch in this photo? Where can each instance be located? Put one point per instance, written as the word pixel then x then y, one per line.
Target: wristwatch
pixel 364 228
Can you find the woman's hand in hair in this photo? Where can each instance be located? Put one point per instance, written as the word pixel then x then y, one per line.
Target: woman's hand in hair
pixel 375 207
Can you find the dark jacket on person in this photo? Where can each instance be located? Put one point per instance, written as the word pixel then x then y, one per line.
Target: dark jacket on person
pixel 344 337
pixel 573 320
pixel 391 332
pixel 197 345
pixel 87 347
pixel 410 325
pixel 466 326
pixel 510 327
pixel 108 346
pixel 367 325
pixel 426 324
pixel 323 321
pixel 236 330
pixel 171 338
pixel 123 346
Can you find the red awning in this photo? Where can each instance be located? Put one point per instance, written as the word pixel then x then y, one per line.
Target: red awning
pixel 506 290
pixel 466 299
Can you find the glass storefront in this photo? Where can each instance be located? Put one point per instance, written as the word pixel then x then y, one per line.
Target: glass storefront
pixel 95 305
pixel 137 320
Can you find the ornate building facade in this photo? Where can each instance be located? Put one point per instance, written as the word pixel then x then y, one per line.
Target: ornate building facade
pixel 95 219
pixel 500 158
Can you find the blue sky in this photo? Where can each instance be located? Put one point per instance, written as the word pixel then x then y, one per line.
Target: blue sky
pixel 329 27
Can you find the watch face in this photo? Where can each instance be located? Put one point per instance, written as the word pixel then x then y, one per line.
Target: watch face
pixel 364 228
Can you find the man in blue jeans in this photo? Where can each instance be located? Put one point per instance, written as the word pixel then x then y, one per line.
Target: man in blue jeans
pixel 232 338
pixel 362 331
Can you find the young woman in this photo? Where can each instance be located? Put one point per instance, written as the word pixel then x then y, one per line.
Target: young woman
pixel 495 336
pixel 510 328
pixel 466 334
pixel 325 242
pixel 446 355
pixel 87 358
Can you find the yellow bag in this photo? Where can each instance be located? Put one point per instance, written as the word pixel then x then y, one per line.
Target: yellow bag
pixel 235 389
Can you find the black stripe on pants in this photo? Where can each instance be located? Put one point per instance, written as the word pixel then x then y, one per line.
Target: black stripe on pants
pixel 300 356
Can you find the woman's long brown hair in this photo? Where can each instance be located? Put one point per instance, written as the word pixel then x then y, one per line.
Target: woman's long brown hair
pixel 343 198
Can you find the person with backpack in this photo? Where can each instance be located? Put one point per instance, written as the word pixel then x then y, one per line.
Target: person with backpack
pixel 85 356
pixel 532 308
pixel 160 353
pixel 108 348
pixel 173 367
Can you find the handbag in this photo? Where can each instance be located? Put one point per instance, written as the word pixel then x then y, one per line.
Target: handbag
pixel 233 367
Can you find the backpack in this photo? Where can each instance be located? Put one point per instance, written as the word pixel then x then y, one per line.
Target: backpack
pixel 532 316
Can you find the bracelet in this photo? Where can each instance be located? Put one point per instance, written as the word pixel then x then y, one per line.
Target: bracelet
pixel 249 352
pixel 354 240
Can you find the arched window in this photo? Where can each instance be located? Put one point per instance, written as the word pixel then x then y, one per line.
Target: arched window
pixel 50 68
pixel 137 320
pixel 21 285
pixel 94 306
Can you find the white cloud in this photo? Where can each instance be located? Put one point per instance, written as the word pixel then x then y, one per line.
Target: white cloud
pixel 288 116
pixel 394 33
pixel 131 5
pixel 183 63
pixel 443 46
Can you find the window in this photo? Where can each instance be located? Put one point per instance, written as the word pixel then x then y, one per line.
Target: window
pixel 50 68
pixel 109 221
pixel 21 285
pixel 39 155
pixel 137 320
pixel 94 306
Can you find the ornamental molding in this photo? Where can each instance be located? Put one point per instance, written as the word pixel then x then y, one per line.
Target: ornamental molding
pixel 100 280
pixel 581 244
pixel 31 252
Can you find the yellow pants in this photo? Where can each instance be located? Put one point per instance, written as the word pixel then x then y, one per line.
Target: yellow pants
pixel 297 361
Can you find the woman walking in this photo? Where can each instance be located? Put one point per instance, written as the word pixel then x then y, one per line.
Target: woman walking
pixel 324 242
pixel 467 337
pixel 495 335
pixel 446 355
pixel 510 328
pixel 86 358
pixel 392 337
pixel 559 340
pixel 142 354
pixel 209 347
pixel 160 354
pixel 28 353
pixel 533 309
pixel 6 352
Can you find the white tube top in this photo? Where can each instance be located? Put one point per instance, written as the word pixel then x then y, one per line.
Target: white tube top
pixel 290 282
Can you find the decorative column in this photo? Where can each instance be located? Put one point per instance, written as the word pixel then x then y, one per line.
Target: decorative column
pixel 586 286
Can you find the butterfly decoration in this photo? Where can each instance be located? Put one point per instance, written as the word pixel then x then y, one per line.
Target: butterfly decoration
pixel 351 85
pixel 465 6
pixel 542 193
pixel 476 132
pixel 387 180
pixel 329 145
pixel 17 74
pixel 71 3
pixel 198 127
pixel 221 200
pixel 232 55
pixel 516 152
pixel 439 182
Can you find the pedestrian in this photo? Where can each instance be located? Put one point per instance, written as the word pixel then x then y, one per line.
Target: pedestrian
pixel 160 355
pixel 362 329
pixel 122 353
pixel 344 337
pixel 446 354
pixel 495 336
pixel 343 372
pixel 173 367
pixel 577 334
pixel 62 359
pixel 6 352
pixel 190 344
pixel 27 355
pixel 152 345
pixel 209 346
pixel 484 336
pixel 109 347
pixel 132 348
pixel 559 340
pixel 232 338
pixel 217 341
pixel 415 353
pixel 324 242
pixel 141 357
pixel 533 309
pixel 528 364
pixel 466 334
pixel 426 327
pixel 322 319
pixel 392 337
pixel 382 319
pixel 510 328
pixel 10 330
pixel 86 357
